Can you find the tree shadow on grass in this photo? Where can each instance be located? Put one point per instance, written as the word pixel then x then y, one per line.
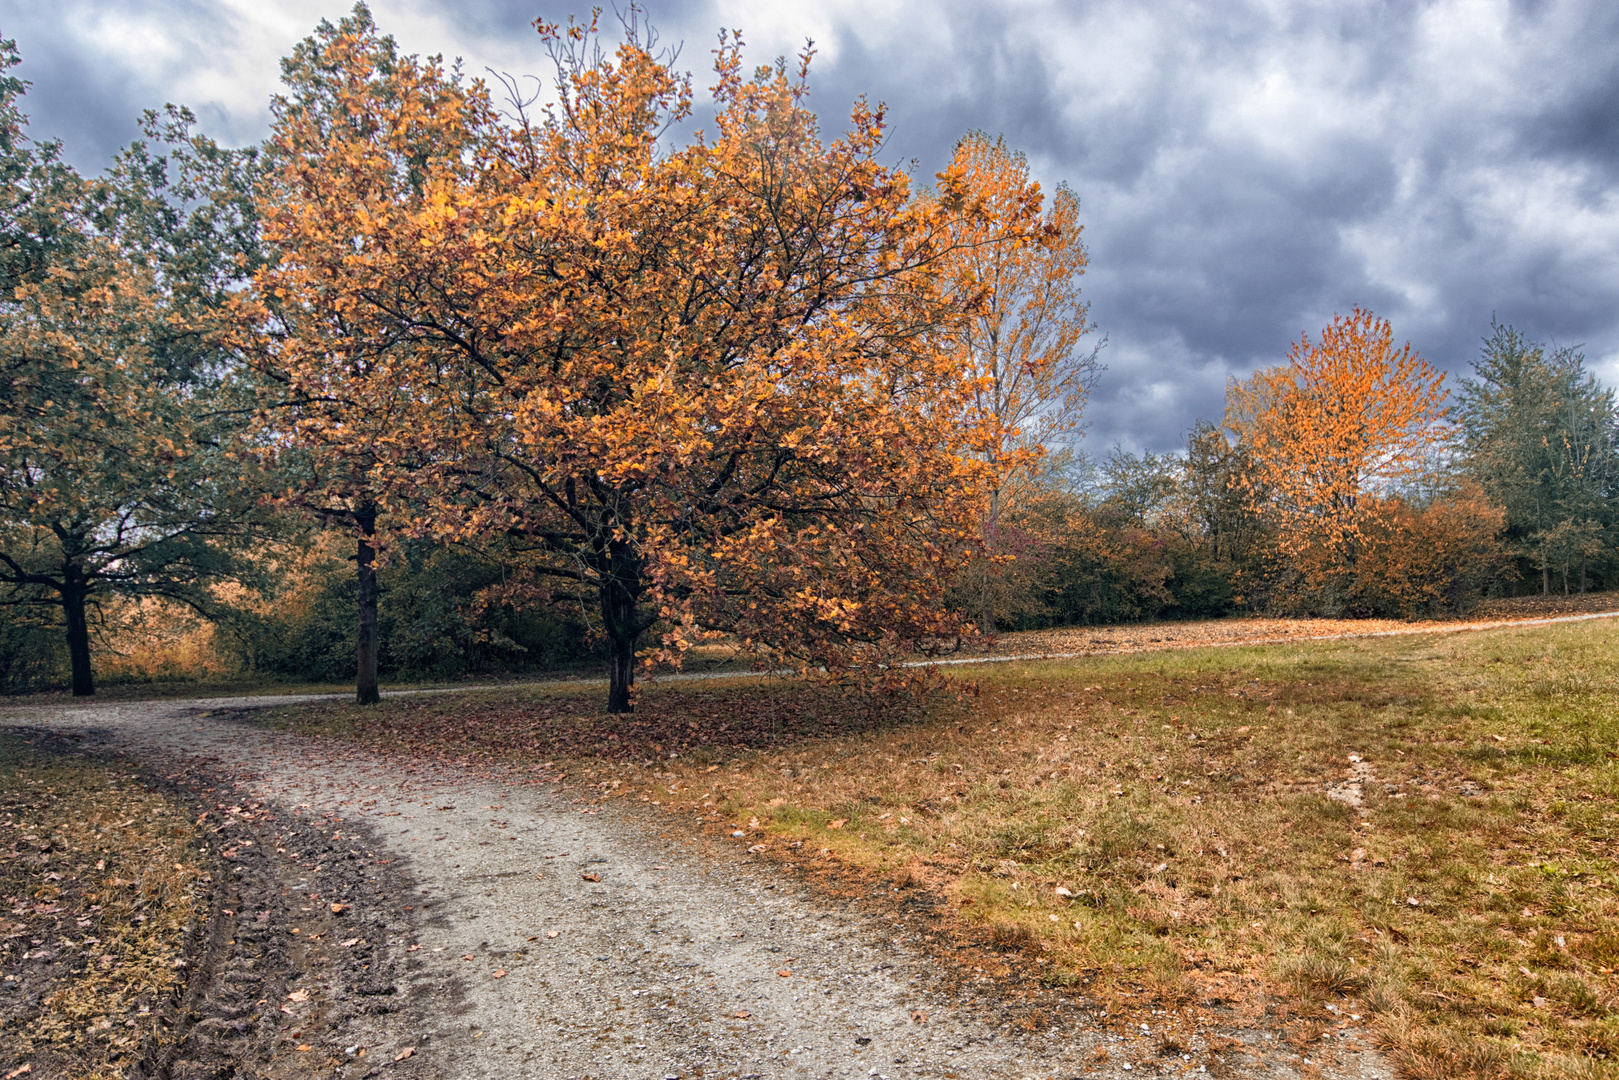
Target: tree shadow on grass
pixel 716 722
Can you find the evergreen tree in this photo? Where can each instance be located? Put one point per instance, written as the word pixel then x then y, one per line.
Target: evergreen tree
pixel 1538 431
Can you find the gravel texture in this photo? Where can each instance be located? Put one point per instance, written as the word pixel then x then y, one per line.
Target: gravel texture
pixel 503 930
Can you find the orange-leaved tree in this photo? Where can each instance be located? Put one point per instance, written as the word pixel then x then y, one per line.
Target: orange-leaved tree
pixel 1027 322
pixel 692 387
pixel 1342 425
pixel 360 120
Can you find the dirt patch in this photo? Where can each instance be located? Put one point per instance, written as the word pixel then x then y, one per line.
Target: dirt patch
pixel 1148 637
pixel 276 966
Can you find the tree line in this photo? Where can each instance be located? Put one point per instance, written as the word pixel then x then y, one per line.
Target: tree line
pixel 567 386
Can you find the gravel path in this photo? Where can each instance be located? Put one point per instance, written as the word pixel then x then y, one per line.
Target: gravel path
pixel 678 962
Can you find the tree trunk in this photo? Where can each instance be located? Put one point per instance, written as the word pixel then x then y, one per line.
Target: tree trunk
pixel 620 599
pixel 621 676
pixel 986 600
pixel 366 561
pixel 74 593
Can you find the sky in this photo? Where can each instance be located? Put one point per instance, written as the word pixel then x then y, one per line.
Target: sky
pixel 1247 170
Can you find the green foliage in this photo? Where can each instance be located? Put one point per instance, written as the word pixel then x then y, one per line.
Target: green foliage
pixel 33 654
pixel 431 622
pixel 1539 434
pixel 120 409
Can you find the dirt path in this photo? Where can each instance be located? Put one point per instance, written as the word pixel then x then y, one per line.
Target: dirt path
pixel 677 962
pixel 1070 643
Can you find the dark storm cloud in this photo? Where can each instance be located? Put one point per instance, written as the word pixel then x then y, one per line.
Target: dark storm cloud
pixel 1246 170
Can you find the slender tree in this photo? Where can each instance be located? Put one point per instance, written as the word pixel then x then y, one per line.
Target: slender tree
pixel 1028 320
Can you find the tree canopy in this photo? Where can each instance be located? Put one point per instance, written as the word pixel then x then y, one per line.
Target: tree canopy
pixel 693 386
pixel 118 466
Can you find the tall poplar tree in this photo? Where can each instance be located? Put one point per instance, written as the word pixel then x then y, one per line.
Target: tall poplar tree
pixel 1022 339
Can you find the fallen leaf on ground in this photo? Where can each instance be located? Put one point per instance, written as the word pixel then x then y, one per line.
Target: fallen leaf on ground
pixel 304 1046
pixel 338 909
pixel 29 1067
pixel 298 995
pixel 743 1015
pixel 350 943
pixel 590 877
pixel 552 933
pixel 405 1053
pixel 469 956
pixel 838 824
pixel 499 973
pixel 918 1016
pixel 784 973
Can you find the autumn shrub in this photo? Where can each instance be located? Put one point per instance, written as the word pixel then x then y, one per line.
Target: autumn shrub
pixel 157 640
pixel 1002 586
pixel 1436 559
pixel 1415 560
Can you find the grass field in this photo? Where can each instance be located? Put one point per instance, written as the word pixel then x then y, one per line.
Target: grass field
pixel 1418 832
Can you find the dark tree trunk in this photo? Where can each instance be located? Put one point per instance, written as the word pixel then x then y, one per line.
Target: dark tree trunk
pixel 75 591
pixel 366 561
pixel 621 676
pixel 620 597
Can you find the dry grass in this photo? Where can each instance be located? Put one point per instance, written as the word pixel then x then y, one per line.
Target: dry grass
pixel 101 884
pixel 1180 827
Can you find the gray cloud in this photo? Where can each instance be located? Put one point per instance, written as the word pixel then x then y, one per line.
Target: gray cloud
pixel 1247 170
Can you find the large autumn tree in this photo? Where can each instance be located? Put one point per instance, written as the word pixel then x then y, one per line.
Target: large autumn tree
pixel 692 385
pixel 118 471
pixel 1022 339
pixel 1344 423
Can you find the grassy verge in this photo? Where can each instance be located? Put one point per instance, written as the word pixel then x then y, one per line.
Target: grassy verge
pixel 1415 831
pixel 100 883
